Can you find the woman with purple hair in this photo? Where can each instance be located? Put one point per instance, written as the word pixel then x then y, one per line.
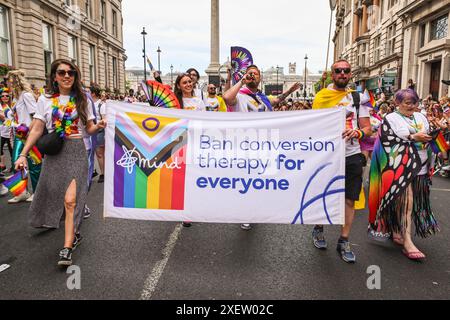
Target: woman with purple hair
pixel 400 176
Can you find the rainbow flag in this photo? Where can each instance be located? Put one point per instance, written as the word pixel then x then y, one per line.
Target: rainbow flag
pixel 150 64
pixel 150 162
pixel 17 184
pixel 438 144
pixel 373 103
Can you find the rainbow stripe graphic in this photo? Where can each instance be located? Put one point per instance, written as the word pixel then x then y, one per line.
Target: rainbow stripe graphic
pixel 439 144
pixel 149 162
pixel 17 184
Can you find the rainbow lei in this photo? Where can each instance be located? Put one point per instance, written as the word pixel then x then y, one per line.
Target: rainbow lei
pixel 63 116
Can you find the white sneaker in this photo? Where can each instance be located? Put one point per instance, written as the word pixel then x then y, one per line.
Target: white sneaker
pixel 3 190
pixel 22 197
pixel 446 168
pixel 30 199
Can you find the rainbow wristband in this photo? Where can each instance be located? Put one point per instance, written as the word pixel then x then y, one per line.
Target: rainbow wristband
pixel 361 134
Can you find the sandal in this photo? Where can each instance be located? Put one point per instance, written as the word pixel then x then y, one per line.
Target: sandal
pixel 415 255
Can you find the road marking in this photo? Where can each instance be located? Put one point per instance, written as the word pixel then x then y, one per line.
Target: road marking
pixel 443 190
pixel 152 280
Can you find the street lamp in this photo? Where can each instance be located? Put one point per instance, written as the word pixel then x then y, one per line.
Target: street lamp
pixel 145 55
pixel 304 87
pixel 171 77
pixel 159 59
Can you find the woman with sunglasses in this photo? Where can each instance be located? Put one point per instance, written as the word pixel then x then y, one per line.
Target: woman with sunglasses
pixel 23 107
pixel 63 184
pixel 6 119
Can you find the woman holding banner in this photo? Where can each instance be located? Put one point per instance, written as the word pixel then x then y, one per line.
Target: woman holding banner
pixel 184 90
pixel 400 180
pixel 63 184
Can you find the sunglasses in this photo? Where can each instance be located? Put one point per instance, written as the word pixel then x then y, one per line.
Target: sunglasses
pixel 340 70
pixel 5 96
pixel 62 73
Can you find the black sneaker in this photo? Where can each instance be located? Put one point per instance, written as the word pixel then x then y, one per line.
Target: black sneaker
pixel 94 174
pixel 343 247
pixel 186 224
pixel 246 226
pixel 76 241
pixel 101 178
pixel 319 239
pixel 86 212
pixel 65 257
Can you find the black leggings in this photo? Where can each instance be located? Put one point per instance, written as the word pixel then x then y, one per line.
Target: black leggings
pixel 6 141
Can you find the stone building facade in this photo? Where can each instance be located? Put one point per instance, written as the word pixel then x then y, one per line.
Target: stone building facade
pixel 33 33
pixel 389 42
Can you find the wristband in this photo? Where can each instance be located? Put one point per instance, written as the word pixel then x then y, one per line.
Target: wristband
pixel 361 134
pixel 23 155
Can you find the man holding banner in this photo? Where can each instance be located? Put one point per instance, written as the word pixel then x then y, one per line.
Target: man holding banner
pixel 357 127
pixel 245 96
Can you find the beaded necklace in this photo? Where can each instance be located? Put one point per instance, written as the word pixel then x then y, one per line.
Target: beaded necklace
pixel 63 117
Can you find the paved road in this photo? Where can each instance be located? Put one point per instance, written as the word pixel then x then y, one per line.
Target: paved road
pixel 130 259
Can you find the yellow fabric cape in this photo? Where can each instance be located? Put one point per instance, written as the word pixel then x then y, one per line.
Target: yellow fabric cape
pixel 222 104
pixel 328 98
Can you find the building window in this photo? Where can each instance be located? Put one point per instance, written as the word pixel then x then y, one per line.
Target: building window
pixel 47 44
pixel 92 73
pixel 88 9
pixel 377 49
pixel 362 55
pixel 422 35
pixel 114 23
pixel 114 70
pixel 5 44
pixel 390 47
pixel 439 28
pixel 347 34
pixel 72 49
pixel 103 13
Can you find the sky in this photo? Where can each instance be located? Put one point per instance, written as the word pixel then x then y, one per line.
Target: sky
pixel 276 32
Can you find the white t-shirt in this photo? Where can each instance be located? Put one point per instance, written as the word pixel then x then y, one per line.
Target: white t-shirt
pixel 404 126
pixel 212 104
pixel 200 94
pixel 44 113
pixel 246 103
pixel 194 103
pixel 5 130
pixel 352 146
pixel 24 107
pixel 100 110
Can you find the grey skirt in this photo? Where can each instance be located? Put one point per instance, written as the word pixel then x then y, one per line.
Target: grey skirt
pixel 47 208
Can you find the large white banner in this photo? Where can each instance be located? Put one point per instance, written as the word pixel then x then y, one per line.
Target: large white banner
pixel 179 165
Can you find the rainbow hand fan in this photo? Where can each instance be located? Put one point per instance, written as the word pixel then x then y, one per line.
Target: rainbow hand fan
pixel 241 59
pixel 17 184
pixel 159 95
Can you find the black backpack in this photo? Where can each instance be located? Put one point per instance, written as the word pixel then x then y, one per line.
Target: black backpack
pixel 356 104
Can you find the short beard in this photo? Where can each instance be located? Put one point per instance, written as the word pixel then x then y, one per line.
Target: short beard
pixel 340 85
pixel 253 85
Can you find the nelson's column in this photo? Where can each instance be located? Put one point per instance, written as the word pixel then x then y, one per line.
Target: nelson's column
pixel 213 69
